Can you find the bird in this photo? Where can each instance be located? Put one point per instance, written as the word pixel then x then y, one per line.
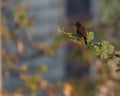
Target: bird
pixel 81 31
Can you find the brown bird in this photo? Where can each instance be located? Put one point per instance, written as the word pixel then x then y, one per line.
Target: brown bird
pixel 81 31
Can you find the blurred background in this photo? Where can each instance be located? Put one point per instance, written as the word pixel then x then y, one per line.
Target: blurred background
pixel 36 61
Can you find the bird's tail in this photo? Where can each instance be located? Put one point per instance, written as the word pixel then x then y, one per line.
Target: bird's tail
pixel 85 39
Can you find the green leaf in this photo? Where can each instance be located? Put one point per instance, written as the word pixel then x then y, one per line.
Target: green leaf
pixel 107 47
pixel 103 49
pixel 90 36
pixel 117 54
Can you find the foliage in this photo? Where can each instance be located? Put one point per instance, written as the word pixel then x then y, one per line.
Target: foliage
pixel 102 49
pixel 33 84
pixel 19 50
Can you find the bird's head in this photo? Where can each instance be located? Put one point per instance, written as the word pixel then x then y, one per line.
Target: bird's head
pixel 78 24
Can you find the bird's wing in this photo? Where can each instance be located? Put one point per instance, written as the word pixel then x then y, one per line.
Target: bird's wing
pixel 83 32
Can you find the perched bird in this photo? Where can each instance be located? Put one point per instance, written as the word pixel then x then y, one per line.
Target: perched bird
pixel 81 31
